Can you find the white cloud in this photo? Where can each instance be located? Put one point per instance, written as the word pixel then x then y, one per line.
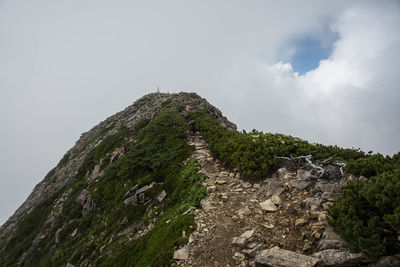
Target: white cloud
pixel 65 66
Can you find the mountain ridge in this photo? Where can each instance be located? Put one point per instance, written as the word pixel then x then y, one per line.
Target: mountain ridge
pixel 126 117
pixel 150 179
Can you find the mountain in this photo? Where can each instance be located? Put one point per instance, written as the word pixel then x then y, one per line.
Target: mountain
pixel 169 180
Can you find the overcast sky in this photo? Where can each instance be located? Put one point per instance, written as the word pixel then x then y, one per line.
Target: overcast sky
pixel 325 71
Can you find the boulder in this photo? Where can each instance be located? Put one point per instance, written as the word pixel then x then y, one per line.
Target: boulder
pixel 284 258
pixel 183 253
pixel 334 257
pixel 268 205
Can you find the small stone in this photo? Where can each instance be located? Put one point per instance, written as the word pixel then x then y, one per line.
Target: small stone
pixel 326 205
pixel 183 253
pixel 240 242
pixel 247 234
pixel 75 232
pixel 268 205
pixel 211 189
pixel 245 184
pixel 252 245
pixel 220 182
pixel 231 174
pixel 239 190
pixel 306 247
pixel 329 196
pixel 300 222
pixel 224 198
pixel 268 225
pixel 161 196
pixel 316 235
pixel 276 200
pixel 282 173
pixel 239 256
pixel 322 217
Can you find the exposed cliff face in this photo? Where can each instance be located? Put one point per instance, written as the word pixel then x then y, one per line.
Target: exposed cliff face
pixel 146 107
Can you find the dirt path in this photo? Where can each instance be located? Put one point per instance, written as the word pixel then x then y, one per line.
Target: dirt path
pixel 232 225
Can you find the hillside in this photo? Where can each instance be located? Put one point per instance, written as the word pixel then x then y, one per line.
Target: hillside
pixel 169 180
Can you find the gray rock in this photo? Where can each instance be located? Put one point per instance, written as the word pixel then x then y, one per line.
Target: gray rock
pixel 313 203
pixel 130 200
pixel 282 173
pixel 303 174
pixel 328 187
pixel 248 234
pixel 273 188
pixel 330 240
pixel 268 205
pixel 161 196
pixel 220 182
pixel 69 265
pixel 211 189
pixel 85 199
pixel 300 222
pixel 284 258
pixel 183 253
pixel 240 242
pixel 245 184
pixel 74 233
pixel 299 184
pixel 333 257
pixel 277 200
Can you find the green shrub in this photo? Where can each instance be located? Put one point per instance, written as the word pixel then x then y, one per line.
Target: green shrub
pixel 367 215
pixel 254 153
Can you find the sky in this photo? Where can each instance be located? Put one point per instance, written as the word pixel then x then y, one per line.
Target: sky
pixel 324 71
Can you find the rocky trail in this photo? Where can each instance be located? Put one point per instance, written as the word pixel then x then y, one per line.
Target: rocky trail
pixel 279 221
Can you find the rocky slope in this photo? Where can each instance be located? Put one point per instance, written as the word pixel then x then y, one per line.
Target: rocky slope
pixel 146 107
pixel 145 188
